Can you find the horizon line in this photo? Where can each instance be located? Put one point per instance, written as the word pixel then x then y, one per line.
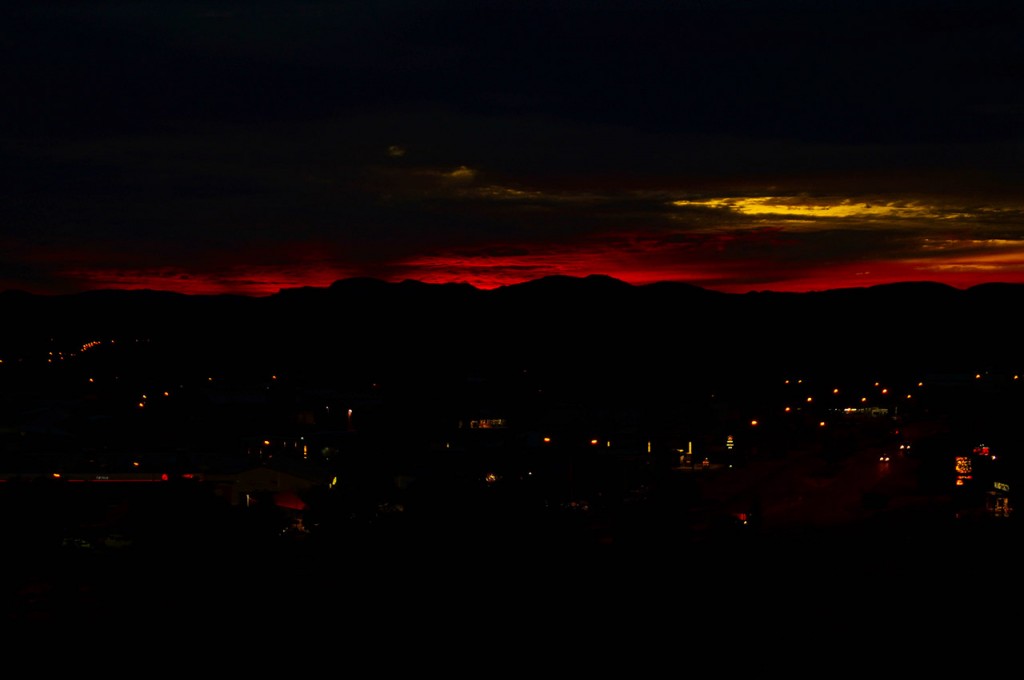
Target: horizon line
pixel 466 284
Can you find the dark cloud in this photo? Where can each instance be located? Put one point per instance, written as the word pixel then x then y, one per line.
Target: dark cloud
pixel 189 140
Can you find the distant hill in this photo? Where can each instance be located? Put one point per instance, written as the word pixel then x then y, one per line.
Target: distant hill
pixel 582 326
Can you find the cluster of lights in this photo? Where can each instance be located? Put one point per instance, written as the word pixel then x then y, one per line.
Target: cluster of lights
pixel 963 469
pixel 863 402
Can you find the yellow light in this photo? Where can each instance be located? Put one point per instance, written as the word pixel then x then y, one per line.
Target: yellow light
pixel 825 207
pixel 821 424
pixel 753 422
pixel 593 442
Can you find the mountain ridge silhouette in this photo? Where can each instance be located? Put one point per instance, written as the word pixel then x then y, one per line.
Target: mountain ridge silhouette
pixel 594 321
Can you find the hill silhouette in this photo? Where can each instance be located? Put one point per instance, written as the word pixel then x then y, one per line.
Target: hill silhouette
pixel 576 325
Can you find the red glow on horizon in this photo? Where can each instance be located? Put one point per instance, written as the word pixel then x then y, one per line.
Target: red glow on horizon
pixel 699 263
pixel 498 277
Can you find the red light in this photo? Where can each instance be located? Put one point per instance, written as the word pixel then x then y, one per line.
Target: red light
pixel 164 477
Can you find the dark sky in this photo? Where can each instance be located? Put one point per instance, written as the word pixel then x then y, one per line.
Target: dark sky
pixel 245 147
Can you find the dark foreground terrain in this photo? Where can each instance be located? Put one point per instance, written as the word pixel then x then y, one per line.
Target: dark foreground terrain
pixel 513 466
pixel 679 554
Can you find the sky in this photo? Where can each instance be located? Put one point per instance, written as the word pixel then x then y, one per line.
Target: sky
pixel 248 147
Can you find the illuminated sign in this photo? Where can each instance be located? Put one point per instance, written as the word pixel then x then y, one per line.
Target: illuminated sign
pixel 487 423
pixel 1001 486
